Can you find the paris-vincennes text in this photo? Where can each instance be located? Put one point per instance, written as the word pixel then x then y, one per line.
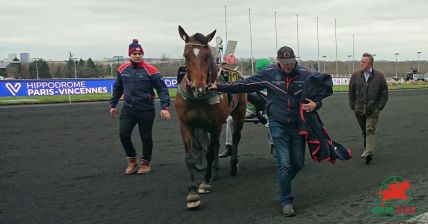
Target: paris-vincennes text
pixel 61 88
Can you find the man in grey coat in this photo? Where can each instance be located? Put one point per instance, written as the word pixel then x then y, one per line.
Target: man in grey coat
pixel 368 94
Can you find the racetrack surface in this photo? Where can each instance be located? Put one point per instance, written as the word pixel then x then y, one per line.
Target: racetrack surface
pixel 64 164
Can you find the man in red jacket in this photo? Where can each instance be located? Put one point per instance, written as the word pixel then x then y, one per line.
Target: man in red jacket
pixel 136 80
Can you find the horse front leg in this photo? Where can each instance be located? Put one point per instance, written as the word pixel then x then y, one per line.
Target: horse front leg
pixel 212 153
pixel 193 198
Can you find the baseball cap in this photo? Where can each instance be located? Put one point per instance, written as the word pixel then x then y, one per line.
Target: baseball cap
pixel 285 55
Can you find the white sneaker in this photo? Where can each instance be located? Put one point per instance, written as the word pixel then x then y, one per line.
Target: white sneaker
pixel 288 210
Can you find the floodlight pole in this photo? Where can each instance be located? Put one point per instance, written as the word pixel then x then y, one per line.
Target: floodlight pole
pixel 276 35
pixel 419 52
pixel 251 43
pixel 396 64
pixel 37 68
pixel 75 68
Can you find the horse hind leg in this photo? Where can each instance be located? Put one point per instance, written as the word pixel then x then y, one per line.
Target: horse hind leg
pixel 216 165
pixel 238 117
pixel 234 158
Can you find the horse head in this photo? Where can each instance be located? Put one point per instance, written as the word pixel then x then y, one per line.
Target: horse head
pixel 201 69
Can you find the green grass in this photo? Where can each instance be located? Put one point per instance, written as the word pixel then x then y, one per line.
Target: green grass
pixel 416 85
pixel 172 93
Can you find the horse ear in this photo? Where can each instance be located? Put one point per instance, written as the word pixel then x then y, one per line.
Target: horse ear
pixel 183 34
pixel 211 35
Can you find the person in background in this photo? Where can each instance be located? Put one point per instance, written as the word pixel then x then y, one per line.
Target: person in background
pixel 284 82
pixel 229 67
pixel 136 81
pixel 255 108
pixel 182 71
pixel 368 94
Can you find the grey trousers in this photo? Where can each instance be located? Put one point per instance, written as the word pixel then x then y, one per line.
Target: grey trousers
pixel 200 143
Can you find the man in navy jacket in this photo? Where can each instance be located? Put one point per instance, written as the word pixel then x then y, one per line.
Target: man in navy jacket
pixel 136 81
pixel 284 83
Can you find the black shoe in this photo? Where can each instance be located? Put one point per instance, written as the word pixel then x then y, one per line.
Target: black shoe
pixel 261 118
pixel 369 158
pixel 227 152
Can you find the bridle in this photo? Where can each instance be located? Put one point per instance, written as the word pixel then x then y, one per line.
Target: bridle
pixel 186 82
pixel 210 60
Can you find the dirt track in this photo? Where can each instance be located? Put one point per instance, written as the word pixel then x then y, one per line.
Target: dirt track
pixel 64 164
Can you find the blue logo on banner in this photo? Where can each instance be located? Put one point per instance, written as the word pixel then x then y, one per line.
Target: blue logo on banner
pixel 170 82
pixel 62 87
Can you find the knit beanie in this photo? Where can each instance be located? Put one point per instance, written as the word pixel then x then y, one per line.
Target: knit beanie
pixel 135 46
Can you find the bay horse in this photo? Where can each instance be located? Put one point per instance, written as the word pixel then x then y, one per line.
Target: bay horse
pixel 199 108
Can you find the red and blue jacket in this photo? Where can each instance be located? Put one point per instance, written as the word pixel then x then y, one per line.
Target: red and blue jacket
pixel 283 91
pixel 321 146
pixel 137 83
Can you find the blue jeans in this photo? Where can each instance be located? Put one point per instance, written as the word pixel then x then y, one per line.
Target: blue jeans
pixel 290 152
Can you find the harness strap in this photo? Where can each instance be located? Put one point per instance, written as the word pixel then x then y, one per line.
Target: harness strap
pixel 183 92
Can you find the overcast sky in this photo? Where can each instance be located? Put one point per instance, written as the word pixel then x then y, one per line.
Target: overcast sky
pixel 91 28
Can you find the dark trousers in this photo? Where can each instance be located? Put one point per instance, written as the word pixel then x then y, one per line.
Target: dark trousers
pixel 127 121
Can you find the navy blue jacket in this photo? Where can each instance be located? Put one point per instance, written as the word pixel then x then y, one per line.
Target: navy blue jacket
pixel 136 83
pixel 283 91
pixel 321 146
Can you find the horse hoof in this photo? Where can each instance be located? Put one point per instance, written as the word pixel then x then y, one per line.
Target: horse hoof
pixel 193 200
pixel 204 188
pixel 193 204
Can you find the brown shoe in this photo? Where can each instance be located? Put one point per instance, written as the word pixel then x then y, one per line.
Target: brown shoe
pixel 144 167
pixel 132 166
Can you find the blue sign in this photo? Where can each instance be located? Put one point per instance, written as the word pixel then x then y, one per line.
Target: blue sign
pixel 170 82
pixel 52 87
